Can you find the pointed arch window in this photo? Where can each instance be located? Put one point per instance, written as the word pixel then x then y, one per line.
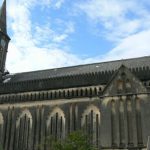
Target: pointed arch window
pixel 128 85
pixel 55 125
pixel 119 86
pixel 23 130
pixel 90 122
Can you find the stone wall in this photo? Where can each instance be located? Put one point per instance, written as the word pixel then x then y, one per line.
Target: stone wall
pixel 118 122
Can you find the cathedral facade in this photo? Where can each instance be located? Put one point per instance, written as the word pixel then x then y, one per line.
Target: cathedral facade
pixel 110 101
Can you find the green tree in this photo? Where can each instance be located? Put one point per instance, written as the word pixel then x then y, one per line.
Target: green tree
pixel 1 148
pixel 76 140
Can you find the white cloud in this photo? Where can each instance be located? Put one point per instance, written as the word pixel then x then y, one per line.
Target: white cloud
pixel 45 48
pixel 133 46
pixel 125 23
pixel 56 4
pixel 39 58
pixel 29 50
pixel 136 45
pixel 119 18
pixel 45 34
pixel 59 3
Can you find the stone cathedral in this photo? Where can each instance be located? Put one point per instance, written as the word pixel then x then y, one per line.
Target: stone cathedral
pixel 109 101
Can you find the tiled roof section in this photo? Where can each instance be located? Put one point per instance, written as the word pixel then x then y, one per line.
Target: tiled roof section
pixel 70 77
pixel 142 62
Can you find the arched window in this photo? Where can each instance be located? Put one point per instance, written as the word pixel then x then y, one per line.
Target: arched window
pixel 128 85
pixel 120 85
pixel 23 130
pixel 56 124
pixel 90 122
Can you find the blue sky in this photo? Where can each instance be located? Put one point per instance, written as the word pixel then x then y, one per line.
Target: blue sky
pixel 56 33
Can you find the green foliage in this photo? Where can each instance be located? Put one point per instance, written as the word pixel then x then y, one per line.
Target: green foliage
pixel 48 142
pixel 74 141
pixel 1 148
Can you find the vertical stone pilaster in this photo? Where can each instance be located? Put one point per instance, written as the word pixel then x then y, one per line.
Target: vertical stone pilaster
pixel 42 135
pixel 61 127
pixel 20 134
pixel 30 127
pixel 121 123
pixel 113 124
pixel 129 122
pixel 51 126
pixel 34 128
pixel 14 136
pixel 8 129
pixel 56 126
pixel 86 124
pixel 97 130
pixel 37 128
pixel 26 131
pixel 5 129
pixel 12 130
pixel 1 129
pixel 17 129
pixel 40 121
pixel 139 123
pixel 91 126
pixel 46 133
pixel 23 132
pixel 68 121
pixel 73 118
pixel 76 118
